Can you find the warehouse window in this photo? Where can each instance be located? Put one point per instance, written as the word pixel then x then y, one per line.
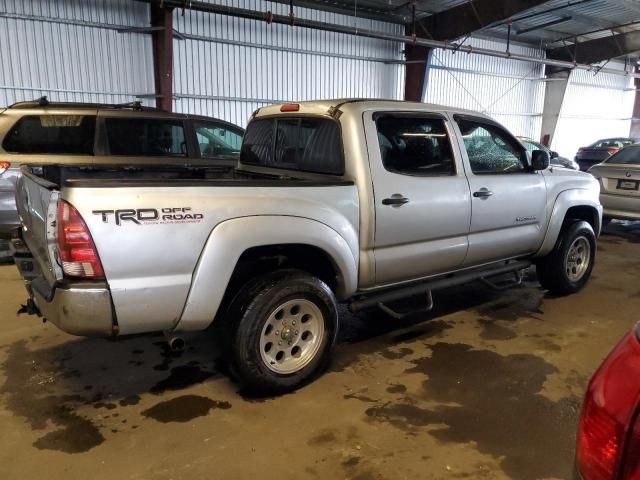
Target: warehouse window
pixel 140 137
pixel 217 139
pixel 52 134
pixel 413 145
pixel 491 149
pixel 306 144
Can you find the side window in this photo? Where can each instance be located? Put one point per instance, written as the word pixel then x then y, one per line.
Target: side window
pixel 141 137
pixel 52 134
pixel 215 139
pixel 490 149
pixel 412 145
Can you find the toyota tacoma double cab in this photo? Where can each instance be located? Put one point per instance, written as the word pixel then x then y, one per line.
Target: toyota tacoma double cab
pixel 364 202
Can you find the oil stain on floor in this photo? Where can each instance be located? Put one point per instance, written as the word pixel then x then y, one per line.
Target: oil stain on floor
pixel 29 377
pixel 479 390
pixel 184 408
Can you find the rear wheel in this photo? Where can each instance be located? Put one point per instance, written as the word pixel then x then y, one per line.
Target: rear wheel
pixel 568 267
pixel 283 329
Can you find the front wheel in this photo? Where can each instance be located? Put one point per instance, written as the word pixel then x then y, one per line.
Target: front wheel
pixel 568 267
pixel 283 332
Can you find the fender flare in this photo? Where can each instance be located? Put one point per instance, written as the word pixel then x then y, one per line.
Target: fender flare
pixel 577 197
pixel 231 238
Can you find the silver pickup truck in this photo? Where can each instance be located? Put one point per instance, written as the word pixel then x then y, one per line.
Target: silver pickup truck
pixel 356 201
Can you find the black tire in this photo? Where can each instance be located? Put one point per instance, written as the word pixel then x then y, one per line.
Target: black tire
pixel 248 314
pixel 553 271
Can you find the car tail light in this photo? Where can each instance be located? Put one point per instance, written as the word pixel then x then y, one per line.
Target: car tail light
pixel 632 453
pixel 606 433
pixel 611 151
pixel 599 442
pixel 4 166
pixel 76 249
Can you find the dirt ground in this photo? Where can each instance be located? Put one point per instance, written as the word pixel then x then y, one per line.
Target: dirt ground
pixel 488 385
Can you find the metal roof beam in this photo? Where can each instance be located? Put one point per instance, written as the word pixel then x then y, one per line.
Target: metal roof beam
pixel 599 49
pixel 471 16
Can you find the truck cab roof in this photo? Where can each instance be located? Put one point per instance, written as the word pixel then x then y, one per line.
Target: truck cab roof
pixel 355 105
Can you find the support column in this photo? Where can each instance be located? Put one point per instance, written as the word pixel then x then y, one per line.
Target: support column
pixel 635 121
pixel 555 88
pixel 162 18
pixel 415 72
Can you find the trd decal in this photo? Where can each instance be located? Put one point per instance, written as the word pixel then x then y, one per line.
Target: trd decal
pixel 146 216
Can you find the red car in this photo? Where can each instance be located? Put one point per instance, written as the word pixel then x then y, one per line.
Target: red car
pixel 608 443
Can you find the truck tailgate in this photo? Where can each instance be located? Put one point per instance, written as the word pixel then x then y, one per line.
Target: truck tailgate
pixel 36 199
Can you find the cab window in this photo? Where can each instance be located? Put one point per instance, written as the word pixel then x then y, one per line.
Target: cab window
pixel 307 144
pixel 414 145
pixel 490 149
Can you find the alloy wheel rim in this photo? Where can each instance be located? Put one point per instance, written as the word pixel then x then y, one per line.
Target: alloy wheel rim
pixel 291 336
pixel 578 258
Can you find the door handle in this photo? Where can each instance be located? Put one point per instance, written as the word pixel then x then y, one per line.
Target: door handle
pixel 395 200
pixel 482 193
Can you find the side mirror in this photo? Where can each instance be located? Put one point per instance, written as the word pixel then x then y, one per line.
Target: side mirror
pixel 539 160
pixel 553 155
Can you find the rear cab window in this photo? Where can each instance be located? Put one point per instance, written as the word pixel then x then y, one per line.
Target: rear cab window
pixel 52 134
pixel 145 137
pixel 303 143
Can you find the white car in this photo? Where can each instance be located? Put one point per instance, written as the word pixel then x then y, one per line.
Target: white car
pixel 619 177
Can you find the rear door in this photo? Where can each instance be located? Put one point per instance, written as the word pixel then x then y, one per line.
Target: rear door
pixel 422 202
pixel 508 200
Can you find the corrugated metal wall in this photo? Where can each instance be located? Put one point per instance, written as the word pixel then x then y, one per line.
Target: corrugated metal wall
pixel 509 91
pixel 594 107
pixel 70 50
pixel 234 66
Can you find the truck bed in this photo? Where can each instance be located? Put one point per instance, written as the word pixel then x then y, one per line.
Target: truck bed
pixel 114 176
pixel 155 229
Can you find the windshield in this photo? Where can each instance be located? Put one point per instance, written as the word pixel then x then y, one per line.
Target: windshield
pixel 626 156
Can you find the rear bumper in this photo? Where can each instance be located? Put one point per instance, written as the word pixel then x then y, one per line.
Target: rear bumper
pixel 78 308
pixel 620 206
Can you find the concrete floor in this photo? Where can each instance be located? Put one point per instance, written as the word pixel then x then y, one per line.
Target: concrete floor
pixel 487 386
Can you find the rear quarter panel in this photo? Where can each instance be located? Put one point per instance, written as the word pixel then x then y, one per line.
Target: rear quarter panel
pixel 149 266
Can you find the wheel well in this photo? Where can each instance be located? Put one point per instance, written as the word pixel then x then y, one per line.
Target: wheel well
pixel 588 214
pixel 259 260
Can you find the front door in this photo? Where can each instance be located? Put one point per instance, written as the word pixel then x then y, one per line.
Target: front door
pixel 422 202
pixel 508 200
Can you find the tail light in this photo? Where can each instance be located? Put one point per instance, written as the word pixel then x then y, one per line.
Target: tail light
pixel 599 442
pixel 611 151
pixel 76 249
pixel 632 454
pixel 4 166
pixel 608 438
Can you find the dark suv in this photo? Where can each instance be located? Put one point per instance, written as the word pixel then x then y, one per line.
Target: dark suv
pixel 45 132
